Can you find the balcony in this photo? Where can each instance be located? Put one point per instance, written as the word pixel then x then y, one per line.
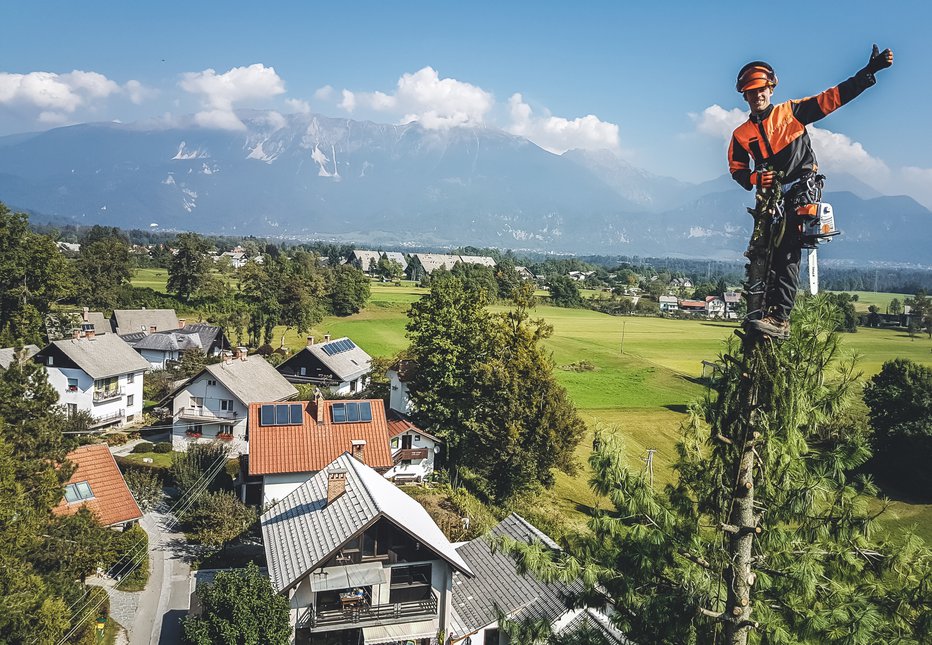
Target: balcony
pixel 364 614
pixel 107 419
pixel 101 396
pixel 411 454
pixel 225 417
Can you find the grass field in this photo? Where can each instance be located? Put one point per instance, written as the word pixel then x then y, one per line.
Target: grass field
pixel 644 377
pixel 882 300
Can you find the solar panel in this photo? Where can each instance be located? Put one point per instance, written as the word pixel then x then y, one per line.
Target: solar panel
pixel 351 412
pixel 296 414
pixel 267 415
pixel 365 411
pixel 338 346
pixel 282 415
pixel 339 412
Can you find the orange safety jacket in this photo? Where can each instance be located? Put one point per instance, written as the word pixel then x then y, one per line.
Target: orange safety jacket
pixel 777 137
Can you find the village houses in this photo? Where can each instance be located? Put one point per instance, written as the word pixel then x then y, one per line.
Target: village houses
pixel 338 365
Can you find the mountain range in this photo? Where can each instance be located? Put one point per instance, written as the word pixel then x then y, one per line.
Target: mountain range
pixel 314 177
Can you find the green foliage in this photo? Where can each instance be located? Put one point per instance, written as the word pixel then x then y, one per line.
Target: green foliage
pixel 218 517
pixel 822 575
pixel 187 272
pixel 485 385
pixel 564 291
pixel 143 446
pixel 146 486
pixel 189 467
pixel 162 447
pixel 33 275
pixel 349 290
pixel 103 267
pixel 848 319
pixel 389 269
pixel 900 403
pixel 478 280
pixel 239 608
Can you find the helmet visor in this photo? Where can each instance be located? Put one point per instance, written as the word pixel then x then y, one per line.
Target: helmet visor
pixel 755 78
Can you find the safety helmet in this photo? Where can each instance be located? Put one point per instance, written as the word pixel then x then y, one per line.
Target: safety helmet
pixel 754 75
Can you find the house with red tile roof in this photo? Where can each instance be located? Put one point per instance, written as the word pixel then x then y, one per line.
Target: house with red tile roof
pixel 98 485
pixel 290 442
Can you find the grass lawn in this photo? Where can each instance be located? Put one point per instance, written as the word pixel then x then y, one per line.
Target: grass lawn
pixel 159 459
pixel 882 300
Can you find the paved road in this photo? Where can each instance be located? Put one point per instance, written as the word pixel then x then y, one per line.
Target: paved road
pixel 165 599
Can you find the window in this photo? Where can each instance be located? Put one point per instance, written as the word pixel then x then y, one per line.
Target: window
pixel 72 385
pixel 281 414
pixel 395 442
pixel 351 412
pixel 303 371
pixel 72 409
pixel 78 492
pixel 131 378
pixel 211 382
pixel 129 400
pixel 50 360
pixel 226 404
pixel 107 384
pixel 352 385
pixel 197 401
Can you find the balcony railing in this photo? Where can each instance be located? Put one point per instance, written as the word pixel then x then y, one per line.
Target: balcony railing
pixel 364 614
pixel 107 395
pixel 412 454
pixel 108 418
pixel 198 414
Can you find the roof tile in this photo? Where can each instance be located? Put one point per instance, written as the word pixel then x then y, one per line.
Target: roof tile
pixel 113 502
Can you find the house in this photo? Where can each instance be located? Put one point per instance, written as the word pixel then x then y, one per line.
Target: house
pixel 681 283
pixel 395 256
pixel 495 586
pixel 483 260
pixel 359 560
pixel 237 257
pixel 580 276
pixel 97 320
pixel 339 365
pixel 163 348
pixel 732 300
pixel 695 307
pixel 524 273
pixel 98 485
pixel 9 354
pixel 214 402
pixel 291 442
pixel 399 399
pixel 423 264
pixel 100 375
pixel 412 449
pixel 126 321
pixel 365 261
pixel 714 307
pixel 668 303
pixel 69 248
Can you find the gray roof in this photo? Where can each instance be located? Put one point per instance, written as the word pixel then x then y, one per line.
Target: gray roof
pixel 497 583
pixel 251 380
pixel 433 261
pixel 395 256
pixel 170 341
pixel 102 356
pixel 127 321
pixel 346 365
pixel 302 531
pixel 100 322
pixel 366 258
pixel 206 332
pixel 484 260
pixel 8 353
pixel 597 621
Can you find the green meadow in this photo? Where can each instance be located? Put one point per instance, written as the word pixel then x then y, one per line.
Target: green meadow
pixel 644 373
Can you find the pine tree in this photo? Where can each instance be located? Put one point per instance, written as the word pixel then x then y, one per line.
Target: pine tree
pixel 803 562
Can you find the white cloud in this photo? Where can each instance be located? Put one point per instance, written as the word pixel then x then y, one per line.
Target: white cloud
pixel 836 152
pixel 297 105
pixel 137 92
pixel 716 121
pixel 436 103
pixel 349 101
pixel 324 93
pixel 220 92
pixel 558 134
pixel 55 95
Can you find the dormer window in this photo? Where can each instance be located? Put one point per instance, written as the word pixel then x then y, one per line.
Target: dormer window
pixel 49 360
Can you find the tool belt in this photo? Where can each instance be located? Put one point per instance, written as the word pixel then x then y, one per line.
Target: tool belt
pixel 804 196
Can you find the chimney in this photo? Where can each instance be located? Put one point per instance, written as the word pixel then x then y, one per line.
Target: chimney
pixel 90 334
pixel 75 334
pixel 310 341
pixel 336 484
pixel 84 314
pixel 326 338
pixel 319 404
pixel 227 357
pixel 152 329
pixel 181 322
pixel 359 449
pixel 243 353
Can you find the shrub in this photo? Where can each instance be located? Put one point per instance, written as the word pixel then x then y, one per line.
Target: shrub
pixel 116 438
pixel 163 447
pixel 188 467
pixel 218 517
pixel 146 486
pixel 143 446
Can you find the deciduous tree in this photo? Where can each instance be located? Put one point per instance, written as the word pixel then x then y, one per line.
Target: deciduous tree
pixel 189 266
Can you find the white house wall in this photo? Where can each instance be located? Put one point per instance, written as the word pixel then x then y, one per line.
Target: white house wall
pixel 277 487
pixel 208 420
pixel 399 399
pixel 83 398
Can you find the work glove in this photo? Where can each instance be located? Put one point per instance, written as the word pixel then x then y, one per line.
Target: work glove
pixel 879 60
pixel 763 179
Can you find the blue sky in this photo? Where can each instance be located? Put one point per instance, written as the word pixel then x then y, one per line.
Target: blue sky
pixel 652 81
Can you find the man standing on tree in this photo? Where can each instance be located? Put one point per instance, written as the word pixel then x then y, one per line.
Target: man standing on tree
pixel 775 137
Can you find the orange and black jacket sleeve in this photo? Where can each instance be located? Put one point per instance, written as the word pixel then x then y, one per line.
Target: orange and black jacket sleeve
pixel 812 109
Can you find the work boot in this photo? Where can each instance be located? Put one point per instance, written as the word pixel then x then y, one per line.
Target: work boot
pixel 771 326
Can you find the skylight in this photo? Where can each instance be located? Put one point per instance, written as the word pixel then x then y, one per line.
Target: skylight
pixel 78 492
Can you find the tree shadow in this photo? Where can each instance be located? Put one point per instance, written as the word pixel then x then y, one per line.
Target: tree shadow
pixel 678 407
